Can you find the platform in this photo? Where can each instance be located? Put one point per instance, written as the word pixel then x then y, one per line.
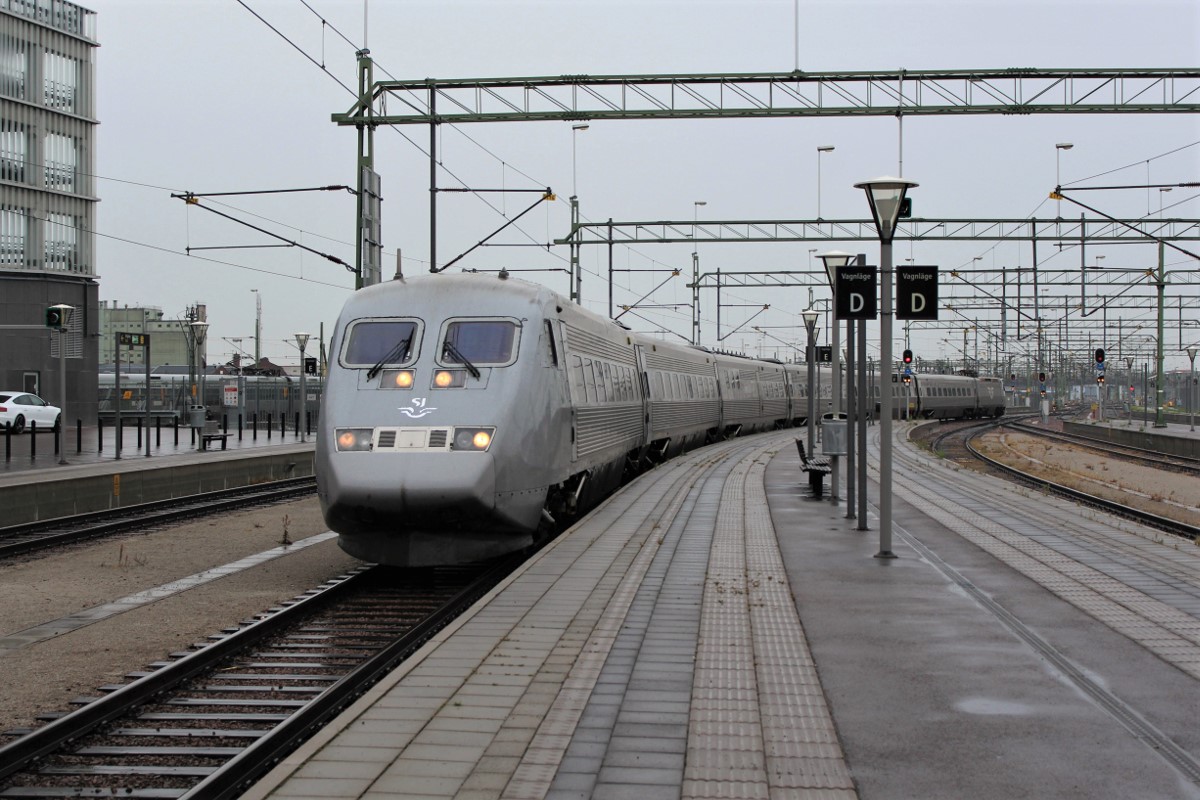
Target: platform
pixel 713 631
pixel 36 484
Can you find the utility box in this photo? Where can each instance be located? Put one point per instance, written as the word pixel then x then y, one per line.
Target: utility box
pixel 833 435
pixel 196 416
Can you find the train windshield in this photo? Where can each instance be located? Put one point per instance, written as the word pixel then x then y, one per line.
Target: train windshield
pixel 372 341
pixel 491 342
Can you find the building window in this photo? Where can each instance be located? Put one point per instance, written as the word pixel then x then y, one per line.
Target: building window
pixel 13 66
pixel 61 249
pixel 60 161
pixel 12 235
pixel 61 81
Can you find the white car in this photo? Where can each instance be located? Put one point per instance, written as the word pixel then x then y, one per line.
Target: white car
pixel 18 409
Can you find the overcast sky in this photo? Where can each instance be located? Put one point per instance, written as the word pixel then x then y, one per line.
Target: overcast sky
pixel 205 97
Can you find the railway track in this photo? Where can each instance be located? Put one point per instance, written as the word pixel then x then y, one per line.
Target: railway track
pixel 33 536
pixel 956 444
pixel 1143 455
pixel 212 720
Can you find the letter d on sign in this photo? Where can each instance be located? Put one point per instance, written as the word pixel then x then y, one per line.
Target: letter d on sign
pixel 918 303
pixel 857 301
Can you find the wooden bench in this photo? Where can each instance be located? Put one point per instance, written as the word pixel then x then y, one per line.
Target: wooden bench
pixel 211 433
pixel 817 468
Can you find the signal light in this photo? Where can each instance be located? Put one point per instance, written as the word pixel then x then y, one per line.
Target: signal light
pixel 908 356
pixel 1099 355
pixel 1041 377
pixel 1100 378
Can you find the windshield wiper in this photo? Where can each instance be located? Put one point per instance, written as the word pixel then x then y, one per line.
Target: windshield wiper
pixel 400 348
pixel 449 349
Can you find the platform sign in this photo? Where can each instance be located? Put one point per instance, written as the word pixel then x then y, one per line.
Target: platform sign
pixel 916 293
pixel 133 339
pixel 857 292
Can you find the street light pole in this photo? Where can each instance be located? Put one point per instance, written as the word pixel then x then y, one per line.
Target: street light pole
pixel 810 324
pixel 823 148
pixel 302 342
pixel 885 196
pixel 1058 148
pixel 1191 351
pixel 835 260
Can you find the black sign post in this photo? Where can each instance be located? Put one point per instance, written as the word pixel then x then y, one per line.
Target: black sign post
pixel 856 290
pixel 141 340
pixel 916 293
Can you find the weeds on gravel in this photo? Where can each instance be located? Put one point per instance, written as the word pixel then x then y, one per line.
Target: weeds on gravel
pixel 286 540
pixel 124 560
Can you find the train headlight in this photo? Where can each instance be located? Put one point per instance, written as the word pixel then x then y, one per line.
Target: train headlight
pixel 477 439
pixel 349 439
pixel 449 378
pixel 397 379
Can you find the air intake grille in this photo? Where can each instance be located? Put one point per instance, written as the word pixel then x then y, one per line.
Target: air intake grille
pixel 387 439
pixel 438 438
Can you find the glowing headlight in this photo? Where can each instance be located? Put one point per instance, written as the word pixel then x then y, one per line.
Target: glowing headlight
pixel 353 438
pixel 477 439
pixel 397 379
pixel 449 378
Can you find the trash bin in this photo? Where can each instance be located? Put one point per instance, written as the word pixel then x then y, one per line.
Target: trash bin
pixel 833 435
pixel 196 416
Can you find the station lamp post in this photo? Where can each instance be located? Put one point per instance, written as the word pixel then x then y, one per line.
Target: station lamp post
pixel 885 196
pixel 302 342
pixel 835 260
pixel 810 324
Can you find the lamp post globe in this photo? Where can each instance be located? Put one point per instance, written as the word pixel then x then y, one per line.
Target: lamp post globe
pixel 885 196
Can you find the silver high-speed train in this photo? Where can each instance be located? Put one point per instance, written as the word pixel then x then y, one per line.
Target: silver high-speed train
pixel 465 415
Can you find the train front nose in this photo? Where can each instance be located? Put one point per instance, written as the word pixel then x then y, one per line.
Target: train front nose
pixel 370 491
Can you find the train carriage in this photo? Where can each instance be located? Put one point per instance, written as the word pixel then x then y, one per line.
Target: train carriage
pixel 683 407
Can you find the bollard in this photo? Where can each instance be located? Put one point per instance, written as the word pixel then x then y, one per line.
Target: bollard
pixel 57 438
pixel 254 428
pixel 282 424
pixel 296 429
pixel 33 440
pixel 8 441
pixel 269 426
pixel 78 436
pixel 139 427
pixel 224 423
pixel 176 423
pixel 239 426
pixel 158 431
pixel 100 434
pixel 307 423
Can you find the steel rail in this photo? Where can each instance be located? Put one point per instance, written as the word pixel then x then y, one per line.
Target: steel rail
pixel 20 754
pixel 232 778
pixel 27 537
pixel 1144 517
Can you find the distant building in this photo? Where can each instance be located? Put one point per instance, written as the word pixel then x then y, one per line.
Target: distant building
pixel 48 200
pixel 169 340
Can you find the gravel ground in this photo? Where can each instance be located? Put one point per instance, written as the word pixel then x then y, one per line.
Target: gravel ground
pixel 45 676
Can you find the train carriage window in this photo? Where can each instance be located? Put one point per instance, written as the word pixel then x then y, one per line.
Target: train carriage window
pixel 589 378
pixel 370 341
pixel 490 342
